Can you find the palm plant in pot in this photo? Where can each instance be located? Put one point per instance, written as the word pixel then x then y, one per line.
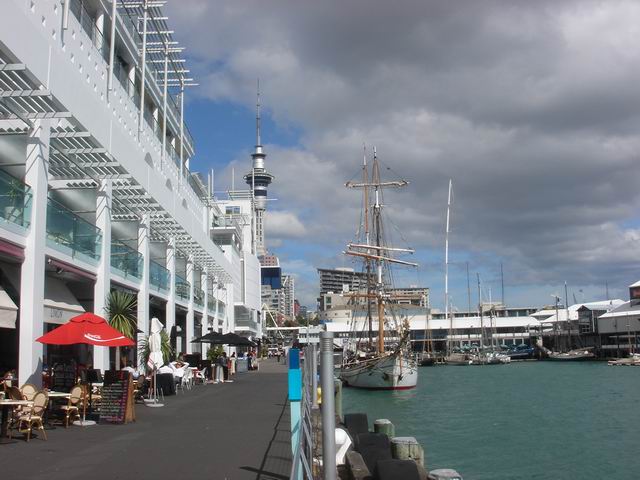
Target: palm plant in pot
pixel 122 312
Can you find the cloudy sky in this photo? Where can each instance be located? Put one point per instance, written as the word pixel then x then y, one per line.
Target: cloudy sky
pixel 531 108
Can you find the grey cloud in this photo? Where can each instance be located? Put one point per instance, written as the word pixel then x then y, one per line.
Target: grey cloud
pixel 531 107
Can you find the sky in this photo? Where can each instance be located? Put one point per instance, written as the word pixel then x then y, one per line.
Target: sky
pixel 532 109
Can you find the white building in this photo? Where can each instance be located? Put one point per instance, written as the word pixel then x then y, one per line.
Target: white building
pixel 95 184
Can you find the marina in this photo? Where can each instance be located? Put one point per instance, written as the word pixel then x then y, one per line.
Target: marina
pixel 523 421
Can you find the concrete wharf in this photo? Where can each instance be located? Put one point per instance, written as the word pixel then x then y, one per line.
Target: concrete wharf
pixel 232 431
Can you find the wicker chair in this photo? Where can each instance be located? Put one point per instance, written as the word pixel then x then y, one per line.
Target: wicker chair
pixel 72 408
pixel 32 416
pixel 28 391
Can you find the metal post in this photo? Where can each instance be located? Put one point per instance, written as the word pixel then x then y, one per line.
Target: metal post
pixel 112 43
pixel 328 407
pixel 181 130
pixel 314 372
pixel 143 67
pixel 65 14
pixel 164 107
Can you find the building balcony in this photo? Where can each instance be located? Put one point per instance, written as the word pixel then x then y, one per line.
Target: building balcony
pixel 71 234
pixel 182 288
pixel 126 261
pixel 198 297
pixel 159 277
pixel 211 306
pixel 15 201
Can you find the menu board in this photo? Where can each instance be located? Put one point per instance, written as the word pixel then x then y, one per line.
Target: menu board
pixel 117 404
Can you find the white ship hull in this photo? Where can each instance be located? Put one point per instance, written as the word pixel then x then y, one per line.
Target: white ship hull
pixel 391 372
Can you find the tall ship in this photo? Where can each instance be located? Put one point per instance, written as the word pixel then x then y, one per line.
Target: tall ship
pixel 377 359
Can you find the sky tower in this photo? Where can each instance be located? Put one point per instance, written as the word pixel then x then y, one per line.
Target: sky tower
pixel 258 180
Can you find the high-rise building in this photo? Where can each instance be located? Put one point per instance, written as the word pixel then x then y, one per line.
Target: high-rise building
pixel 289 296
pixel 258 180
pixel 338 280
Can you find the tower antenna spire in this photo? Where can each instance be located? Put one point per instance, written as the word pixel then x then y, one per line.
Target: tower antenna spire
pixel 258 141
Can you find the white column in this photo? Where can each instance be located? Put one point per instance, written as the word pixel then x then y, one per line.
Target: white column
pixel 170 319
pixel 144 232
pixel 99 23
pixel 132 80
pixel 204 284
pixel 103 278
pixel 215 296
pixel 191 278
pixel 181 131
pixel 32 276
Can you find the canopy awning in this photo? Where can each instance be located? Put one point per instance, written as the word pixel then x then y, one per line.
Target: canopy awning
pixel 60 305
pixel 8 311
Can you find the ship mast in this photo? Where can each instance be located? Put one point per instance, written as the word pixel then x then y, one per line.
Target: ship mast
pixel 365 180
pixel 446 270
pixel 380 284
pixel 382 253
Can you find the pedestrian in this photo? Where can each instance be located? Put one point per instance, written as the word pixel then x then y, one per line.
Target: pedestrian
pixel 232 364
pixel 225 366
pixel 278 355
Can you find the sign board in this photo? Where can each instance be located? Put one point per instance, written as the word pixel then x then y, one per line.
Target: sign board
pixel 117 405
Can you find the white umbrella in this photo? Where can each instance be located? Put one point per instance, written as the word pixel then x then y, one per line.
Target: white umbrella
pixel 156 359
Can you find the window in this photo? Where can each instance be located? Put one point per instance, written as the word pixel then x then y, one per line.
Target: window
pixel 232 210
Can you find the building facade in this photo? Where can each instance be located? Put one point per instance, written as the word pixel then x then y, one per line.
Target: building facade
pixel 95 183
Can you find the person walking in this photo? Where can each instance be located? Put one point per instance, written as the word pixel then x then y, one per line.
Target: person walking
pixel 225 366
pixel 232 364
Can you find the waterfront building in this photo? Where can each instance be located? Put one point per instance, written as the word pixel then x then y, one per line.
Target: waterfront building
pixel 96 188
pixel 288 293
pixel 337 280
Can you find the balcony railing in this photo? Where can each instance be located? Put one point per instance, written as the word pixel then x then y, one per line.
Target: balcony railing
pixel 88 24
pixel 198 297
pixel 126 260
pixel 159 276
pixel 15 200
pixel 67 229
pixel 211 305
pixel 182 288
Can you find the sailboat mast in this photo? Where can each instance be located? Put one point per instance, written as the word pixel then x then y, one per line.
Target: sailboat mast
pixel 446 268
pixel 365 181
pixel 480 313
pixel 376 213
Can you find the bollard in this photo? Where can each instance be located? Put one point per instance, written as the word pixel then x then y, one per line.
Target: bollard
pixel 382 425
pixel 338 387
pixel 328 407
pixel 407 448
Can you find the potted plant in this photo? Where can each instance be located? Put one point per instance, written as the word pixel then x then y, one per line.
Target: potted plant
pixel 122 311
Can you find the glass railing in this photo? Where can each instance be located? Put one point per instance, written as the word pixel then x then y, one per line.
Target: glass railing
pixel 126 260
pixel 198 297
pixel 182 288
pixel 211 305
pixel 88 24
pixel 69 230
pixel 159 276
pixel 15 200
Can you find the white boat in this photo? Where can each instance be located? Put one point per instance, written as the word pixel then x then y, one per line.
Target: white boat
pixel 392 371
pixel 381 366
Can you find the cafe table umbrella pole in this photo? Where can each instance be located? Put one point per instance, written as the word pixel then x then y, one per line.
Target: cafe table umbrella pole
pixel 84 422
pixel 156 359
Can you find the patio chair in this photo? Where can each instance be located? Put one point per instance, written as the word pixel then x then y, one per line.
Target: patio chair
pixel 72 407
pixel 201 375
pixel 14 393
pixel 28 391
pixel 32 416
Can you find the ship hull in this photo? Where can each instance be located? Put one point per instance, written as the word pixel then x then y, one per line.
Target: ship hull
pixel 390 372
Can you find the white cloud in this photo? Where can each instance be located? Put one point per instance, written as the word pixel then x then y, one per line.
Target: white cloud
pixel 531 107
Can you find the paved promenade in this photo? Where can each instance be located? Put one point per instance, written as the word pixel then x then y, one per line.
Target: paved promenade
pixel 234 431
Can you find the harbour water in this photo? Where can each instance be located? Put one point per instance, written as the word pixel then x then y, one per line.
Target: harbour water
pixel 528 420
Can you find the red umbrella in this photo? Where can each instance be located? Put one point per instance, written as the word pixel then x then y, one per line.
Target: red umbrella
pixel 86 328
